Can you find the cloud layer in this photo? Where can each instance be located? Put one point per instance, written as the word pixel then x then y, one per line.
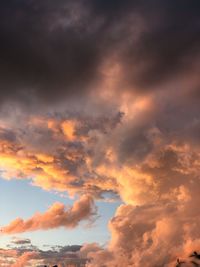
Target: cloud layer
pixel 33 256
pixel 56 50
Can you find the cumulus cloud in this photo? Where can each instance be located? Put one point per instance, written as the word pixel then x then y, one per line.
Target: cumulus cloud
pixel 56 216
pixel 148 236
pixel 160 221
pixel 58 153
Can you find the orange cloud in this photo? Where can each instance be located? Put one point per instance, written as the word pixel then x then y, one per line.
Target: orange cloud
pixel 156 178
pixel 24 259
pixel 68 128
pixel 56 216
pixel 56 156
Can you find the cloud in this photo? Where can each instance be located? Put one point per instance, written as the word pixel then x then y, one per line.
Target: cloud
pixel 147 236
pixel 56 216
pixel 18 241
pixel 23 259
pixel 155 229
pixel 110 97
pixel 159 185
pixel 16 257
pixel 56 153
pixel 46 54
pixel 64 46
pixel 61 256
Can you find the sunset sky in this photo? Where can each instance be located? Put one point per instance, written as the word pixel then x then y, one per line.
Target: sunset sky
pixel 99 132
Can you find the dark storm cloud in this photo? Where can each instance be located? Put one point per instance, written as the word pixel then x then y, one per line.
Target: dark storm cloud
pixel 8 135
pixel 170 42
pixel 50 49
pixel 167 43
pixel 37 54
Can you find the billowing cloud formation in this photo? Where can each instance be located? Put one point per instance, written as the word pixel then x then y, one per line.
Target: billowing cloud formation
pixel 146 158
pixel 57 153
pixel 103 97
pixel 157 232
pixel 56 216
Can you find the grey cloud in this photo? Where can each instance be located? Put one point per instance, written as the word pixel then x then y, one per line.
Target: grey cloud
pixel 49 51
pixel 17 241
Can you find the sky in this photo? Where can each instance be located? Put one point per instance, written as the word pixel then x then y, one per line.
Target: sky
pixel 99 133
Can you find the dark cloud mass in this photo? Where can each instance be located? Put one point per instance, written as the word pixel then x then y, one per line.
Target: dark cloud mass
pixel 48 46
pixel 40 54
pixel 170 42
